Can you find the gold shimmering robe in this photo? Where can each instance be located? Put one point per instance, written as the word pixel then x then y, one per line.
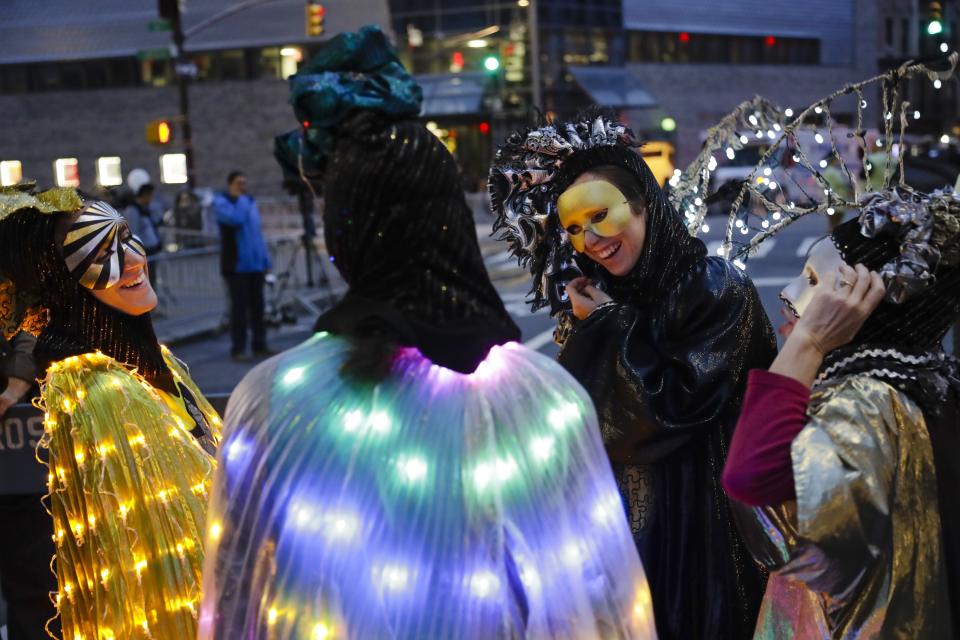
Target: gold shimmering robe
pixel 859 554
pixel 128 486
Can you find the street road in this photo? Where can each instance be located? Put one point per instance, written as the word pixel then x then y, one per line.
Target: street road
pixel 780 259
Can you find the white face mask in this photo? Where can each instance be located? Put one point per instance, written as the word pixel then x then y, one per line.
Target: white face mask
pixel 821 269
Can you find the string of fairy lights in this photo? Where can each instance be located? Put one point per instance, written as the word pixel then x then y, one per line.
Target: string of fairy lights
pixel 806 154
pixel 129 540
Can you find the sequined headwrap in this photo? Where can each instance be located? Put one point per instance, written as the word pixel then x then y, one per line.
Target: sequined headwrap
pixel 354 71
pixel 531 171
pixel 32 260
pixel 913 240
pixel 396 222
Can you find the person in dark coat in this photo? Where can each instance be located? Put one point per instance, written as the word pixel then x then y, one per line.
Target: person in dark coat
pixel 661 336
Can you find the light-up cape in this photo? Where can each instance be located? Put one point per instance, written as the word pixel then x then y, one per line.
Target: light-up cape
pixel 431 505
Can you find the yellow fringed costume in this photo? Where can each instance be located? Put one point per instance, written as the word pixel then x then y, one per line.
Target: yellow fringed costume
pixel 128 489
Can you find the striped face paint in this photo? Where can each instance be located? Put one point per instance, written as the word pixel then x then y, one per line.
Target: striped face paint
pixel 95 246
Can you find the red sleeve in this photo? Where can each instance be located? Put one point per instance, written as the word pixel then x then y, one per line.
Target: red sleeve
pixel 759 470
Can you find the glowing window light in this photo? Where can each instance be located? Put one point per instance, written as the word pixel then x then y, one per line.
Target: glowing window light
pixel 173 168
pixel 67 172
pixel 11 172
pixel 109 173
pixel 293 376
pixel 542 448
pixel 484 584
pixel 412 468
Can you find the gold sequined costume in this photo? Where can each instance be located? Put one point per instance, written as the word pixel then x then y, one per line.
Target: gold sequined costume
pixel 860 553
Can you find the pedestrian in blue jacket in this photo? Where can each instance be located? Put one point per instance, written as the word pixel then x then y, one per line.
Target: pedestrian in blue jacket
pixel 244 261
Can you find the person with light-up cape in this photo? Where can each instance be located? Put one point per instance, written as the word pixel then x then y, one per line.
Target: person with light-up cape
pixel 410 471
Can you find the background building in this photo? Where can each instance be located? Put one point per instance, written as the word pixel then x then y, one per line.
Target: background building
pixel 80 81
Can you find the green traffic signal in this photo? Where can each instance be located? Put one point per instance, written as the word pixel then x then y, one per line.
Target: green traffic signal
pixel 491 63
pixel 934 27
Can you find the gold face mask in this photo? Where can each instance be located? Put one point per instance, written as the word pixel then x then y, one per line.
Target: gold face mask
pixel 596 205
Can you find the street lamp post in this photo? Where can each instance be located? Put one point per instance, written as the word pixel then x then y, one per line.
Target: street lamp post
pixel 184 69
pixel 183 80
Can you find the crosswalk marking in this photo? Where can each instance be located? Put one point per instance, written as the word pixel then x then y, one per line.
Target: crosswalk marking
pixel 804 247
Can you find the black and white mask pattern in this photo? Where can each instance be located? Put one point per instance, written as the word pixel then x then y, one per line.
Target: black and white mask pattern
pixel 95 246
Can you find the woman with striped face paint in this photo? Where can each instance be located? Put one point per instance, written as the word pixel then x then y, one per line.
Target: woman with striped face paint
pixel 109 260
pixel 131 439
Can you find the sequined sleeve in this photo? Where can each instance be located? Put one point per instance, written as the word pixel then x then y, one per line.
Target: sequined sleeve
pixel 844 464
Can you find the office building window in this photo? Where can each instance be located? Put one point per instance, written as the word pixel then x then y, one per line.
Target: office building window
pixel 108 171
pixel 711 48
pixel 173 168
pixel 66 171
pixel 11 172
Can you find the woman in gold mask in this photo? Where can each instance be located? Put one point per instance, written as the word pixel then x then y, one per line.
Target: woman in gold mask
pixel 662 337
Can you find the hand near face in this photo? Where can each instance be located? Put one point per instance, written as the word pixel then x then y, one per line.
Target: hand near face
pixel 584 297
pixel 839 309
pixel 836 312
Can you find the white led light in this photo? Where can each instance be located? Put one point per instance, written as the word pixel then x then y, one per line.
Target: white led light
pixel 380 422
pixel 483 584
pixel 944 47
pixel 730 153
pixel 831 211
pixel 767 171
pixel 293 376
pixel 705 228
pixel 759 134
pixel 818 109
pixel 823 164
pixel 916 115
pixel 818 138
pixel 412 468
pixel 744 139
pixel 776 215
pixel 771 134
pixel 937 84
pixel 753 120
pixel 772 185
pixel 944 139
pixel 542 447
pixel 788 113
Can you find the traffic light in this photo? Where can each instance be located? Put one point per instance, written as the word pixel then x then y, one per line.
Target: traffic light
pixel 316 13
pixel 934 17
pixel 159 132
pixel 491 63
